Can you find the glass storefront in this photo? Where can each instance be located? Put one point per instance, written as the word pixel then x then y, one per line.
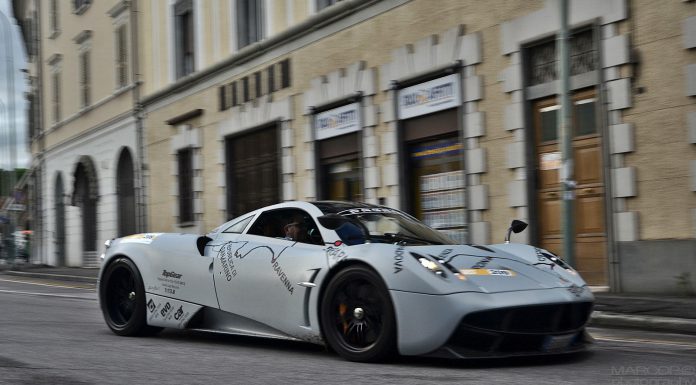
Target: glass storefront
pixel 342 179
pixel 437 185
pixel 434 192
pixel 340 172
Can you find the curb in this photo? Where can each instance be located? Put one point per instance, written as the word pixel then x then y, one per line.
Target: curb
pixel 666 324
pixel 56 277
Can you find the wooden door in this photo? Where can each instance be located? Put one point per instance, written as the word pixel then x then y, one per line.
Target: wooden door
pixel 589 212
pixel 253 178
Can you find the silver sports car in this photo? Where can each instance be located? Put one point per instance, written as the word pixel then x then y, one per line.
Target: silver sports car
pixel 366 280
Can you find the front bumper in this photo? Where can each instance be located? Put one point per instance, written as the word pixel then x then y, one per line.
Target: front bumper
pixel 492 324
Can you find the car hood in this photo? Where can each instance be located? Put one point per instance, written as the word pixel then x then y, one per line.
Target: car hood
pixel 500 268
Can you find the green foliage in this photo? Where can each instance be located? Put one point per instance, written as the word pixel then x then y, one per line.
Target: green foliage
pixel 6 180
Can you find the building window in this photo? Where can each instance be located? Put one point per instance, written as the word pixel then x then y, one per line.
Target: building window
pixel 121 57
pixel 252 170
pixel 321 4
pixel 55 97
pixel 249 22
pixel 80 6
pixel 543 61
pixel 31 117
pixel 185 161
pixel 245 89
pixel 185 64
pixel 271 79
pixel 235 97
pixel 285 73
pixel 258 85
pixel 85 79
pixel 53 21
pixel 224 100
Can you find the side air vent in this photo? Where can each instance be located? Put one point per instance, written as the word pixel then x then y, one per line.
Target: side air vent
pixel 201 242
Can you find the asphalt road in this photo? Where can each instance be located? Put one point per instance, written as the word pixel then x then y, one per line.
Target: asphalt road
pixel 53 333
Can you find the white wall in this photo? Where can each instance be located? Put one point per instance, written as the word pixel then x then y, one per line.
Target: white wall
pixel 103 146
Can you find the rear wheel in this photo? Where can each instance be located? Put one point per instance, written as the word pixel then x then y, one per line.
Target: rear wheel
pixel 122 299
pixel 357 316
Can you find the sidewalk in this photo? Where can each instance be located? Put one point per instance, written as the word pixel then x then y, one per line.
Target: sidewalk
pixel 669 314
pixel 70 274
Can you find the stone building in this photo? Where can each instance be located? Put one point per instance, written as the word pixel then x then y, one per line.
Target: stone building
pixel 85 139
pixel 445 109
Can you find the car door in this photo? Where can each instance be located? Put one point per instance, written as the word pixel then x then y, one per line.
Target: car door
pixel 265 277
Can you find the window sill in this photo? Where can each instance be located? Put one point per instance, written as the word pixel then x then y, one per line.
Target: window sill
pixel 54 34
pixel 83 8
pixel 186 224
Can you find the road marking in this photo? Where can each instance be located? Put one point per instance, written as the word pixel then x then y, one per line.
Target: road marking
pixel 83 287
pixel 642 341
pixel 45 294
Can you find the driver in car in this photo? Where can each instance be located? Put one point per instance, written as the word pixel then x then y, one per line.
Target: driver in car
pixel 295 229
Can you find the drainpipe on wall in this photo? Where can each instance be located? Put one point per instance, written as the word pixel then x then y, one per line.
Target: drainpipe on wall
pixel 566 139
pixel 40 175
pixel 141 196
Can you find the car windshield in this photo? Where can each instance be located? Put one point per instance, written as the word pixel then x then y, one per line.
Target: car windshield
pixel 387 226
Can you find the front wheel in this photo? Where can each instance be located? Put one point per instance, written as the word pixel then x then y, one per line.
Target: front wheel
pixel 357 316
pixel 122 299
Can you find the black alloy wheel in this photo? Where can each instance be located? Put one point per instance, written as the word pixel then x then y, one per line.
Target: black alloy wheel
pixel 122 299
pixel 357 316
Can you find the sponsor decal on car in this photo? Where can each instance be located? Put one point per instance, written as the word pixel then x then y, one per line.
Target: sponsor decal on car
pixel 283 278
pixel 165 309
pixel 495 272
pixel 179 313
pixel 225 253
pixel 398 259
pixel 151 305
pixel 335 254
pixel 171 281
pixel 225 256
pixel 367 210
pixel 145 238
pixel 169 312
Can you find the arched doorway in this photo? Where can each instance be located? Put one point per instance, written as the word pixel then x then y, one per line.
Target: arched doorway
pixel 59 200
pixel 125 192
pixel 85 196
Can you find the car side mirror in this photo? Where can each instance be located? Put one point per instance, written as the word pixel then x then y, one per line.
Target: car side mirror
pixel 516 227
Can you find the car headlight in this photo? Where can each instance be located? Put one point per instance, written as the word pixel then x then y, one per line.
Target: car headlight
pixel 429 264
pixel 557 260
pixel 107 244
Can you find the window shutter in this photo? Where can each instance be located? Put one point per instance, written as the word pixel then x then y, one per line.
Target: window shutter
pixel 56 98
pixel 122 57
pixel 84 79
